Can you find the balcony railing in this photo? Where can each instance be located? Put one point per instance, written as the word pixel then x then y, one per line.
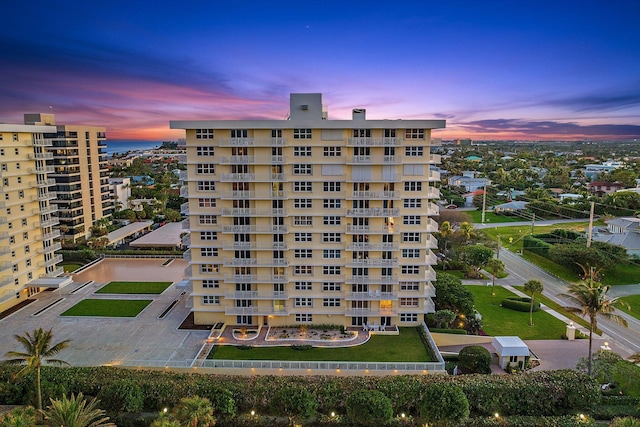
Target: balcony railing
pixel 371 280
pixel 278 295
pixel 373 262
pixel 253 212
pixel 373 142
pixel 259 311
pixel 374 160
pixel 375 195
pixel 256 262
pixel 373 212
pixel 252 278
pixel 254 229
pixel 371 296
pixel 252 246
pixel 366 246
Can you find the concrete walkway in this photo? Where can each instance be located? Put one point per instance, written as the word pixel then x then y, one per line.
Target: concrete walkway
pixel 227 338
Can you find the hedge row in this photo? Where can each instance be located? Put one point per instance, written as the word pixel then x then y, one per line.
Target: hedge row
pixel 535 393
pixel 520 304
pixel 537 246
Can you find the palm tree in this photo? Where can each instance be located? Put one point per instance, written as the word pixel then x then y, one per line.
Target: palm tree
pixel 591 300
pixel 194 411
pixel 533 287
pixel 467 230
pixel 75 412
pixel 38 350
pixel 495 266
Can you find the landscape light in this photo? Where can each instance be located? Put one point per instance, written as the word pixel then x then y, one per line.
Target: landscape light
pixel 333 414
pixel 253 413
pixel 496 415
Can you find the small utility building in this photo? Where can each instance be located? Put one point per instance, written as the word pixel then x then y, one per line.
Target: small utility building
pixel 511 351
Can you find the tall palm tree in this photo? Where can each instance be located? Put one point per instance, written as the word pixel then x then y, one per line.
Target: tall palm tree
pixel 592 300
pixel 75 412
pixel 194 411
pixel 38 350
pixel 533 287
pixel 495 266
pixel 467 230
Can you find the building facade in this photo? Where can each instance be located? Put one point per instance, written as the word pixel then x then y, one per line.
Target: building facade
pixel 27 259
pixel 309 220
pixel 80 172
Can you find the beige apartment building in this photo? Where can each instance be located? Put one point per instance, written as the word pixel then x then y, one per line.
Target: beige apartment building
pixel 309 220
pixel 27 233
pixel 79 168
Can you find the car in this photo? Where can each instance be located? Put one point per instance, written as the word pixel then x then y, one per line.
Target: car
pixel 451 207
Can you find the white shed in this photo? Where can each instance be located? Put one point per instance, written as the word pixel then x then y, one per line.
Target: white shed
pixel 511 350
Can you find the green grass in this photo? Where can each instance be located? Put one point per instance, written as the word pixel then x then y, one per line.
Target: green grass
pixel 621 274
pixel 551 267
pixel 634 302
pixel 511 236
pixel 68 268
pixel 107 308
pixel 406 347
pixel 134 288
pixel 490 217
pixel 499 321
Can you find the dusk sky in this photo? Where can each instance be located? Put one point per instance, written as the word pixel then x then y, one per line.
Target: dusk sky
pixel 559 69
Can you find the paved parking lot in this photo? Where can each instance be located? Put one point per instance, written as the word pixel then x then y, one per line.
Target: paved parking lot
pixel 98 341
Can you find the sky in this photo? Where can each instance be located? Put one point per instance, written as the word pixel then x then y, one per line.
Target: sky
pixel 494 69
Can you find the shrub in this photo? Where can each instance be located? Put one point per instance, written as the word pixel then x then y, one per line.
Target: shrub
pixel 537 246
pixel 294 401
pixel 368 407
pixel 224 405
pixel 625 422
pixel 520 304
pixel 121 396
pixel 475 359
pixel 444 404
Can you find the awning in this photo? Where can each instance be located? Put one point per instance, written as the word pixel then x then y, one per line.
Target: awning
pixel 50 282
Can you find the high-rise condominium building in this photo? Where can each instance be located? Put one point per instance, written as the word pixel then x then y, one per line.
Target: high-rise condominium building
pixel 309 220
pixel 27 259
pixel 79 164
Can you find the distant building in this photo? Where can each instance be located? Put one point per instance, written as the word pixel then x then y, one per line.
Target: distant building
pixel 623 232
pixel 593 170
pixel 120 192
pixel 600 188
pixel 468 181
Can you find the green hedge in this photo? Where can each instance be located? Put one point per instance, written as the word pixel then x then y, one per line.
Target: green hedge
pixel 537 246
pixel 448 331
pixel 525 421
pixel 520 304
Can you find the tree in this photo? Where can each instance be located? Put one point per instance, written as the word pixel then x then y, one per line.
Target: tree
pixel 467 230
pixel 592 301
pixel 532 287
pixel 38 350
pixel 475 359
pixel 443 318
pixel 294 402
pixel 368 407
pixel 495 266
pixel 194 411
pixel 452 295
pixel 476 257
pixel 444 404
pixel 75 412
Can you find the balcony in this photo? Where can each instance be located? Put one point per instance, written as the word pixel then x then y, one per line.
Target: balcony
pixel 371 296
pixel 42 169
pixel 184 191
pixel 435 159
pixel 46 195
pixel 40 156
pixel 374 160
pixel 55 260
pixel 5 265
pixel 186 240
pixel 433 176
pixel 42 142
pixel 255 262
pixel 185 224
pixel 4 250
pixel 55 273
pixel 374 142
pixel 373 212
pixel 252 246
pixel 253 212
pixel 433 193
pixel 371 280
pixel 5 280
pixel 50 222
pixel 184 208
pixel 257 311
pixel 254 229
pixel 366 246
pixel 374 195
pixel 187 255
pixel 52 248
pixel 238 177
pixel 252 195
pixel 49 236
pixel 367 229
pixel 429 274
pixel 279 295
pixel 373 262
pixel 359 312
pixel 41 183
pixel 251 278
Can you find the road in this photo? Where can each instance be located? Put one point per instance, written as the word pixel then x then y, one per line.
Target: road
pixel 527 223
pixel 624 341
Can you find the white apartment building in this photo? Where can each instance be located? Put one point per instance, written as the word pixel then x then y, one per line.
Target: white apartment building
pixel 309 220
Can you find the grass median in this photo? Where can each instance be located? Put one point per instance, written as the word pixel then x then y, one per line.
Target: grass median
pixel 107 308
pixel 134 288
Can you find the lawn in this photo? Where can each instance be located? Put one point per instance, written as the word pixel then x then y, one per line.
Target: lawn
pixel 634 302
pixel 134 288
pixel 406 347
pixel 490 217
pixel 107 308
pixel 499 321
pixel 68 268
pixel 511 236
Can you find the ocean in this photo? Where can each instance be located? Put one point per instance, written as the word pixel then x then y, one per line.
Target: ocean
pixel 124 146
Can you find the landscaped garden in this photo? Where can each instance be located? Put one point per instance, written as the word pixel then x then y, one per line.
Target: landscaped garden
pixel 107 308
pixel 405 347
pixel 134 288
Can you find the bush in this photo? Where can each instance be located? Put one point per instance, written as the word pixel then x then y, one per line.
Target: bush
pixel 121 396
pixel 444 404
pixel 537 246
pixel 224 405
pixel 475 359
pixel 294 401
pixel 530 421
pixel 625 422
pixel 368 407
pixel 520 304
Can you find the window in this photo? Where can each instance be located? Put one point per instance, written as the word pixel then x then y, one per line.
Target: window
pixel 301 151
pixel 21 194
pixel 302 220
pixel 5 182
pixel 408 317
pixel 332 270
pixel 302 270
pixel 411 220
pixel 207 219
pixel 389 133
pixel 302 253
pixel 302 203
pixel 410 269
pixel 211 299
pixel 303 286
pixel 210 284
pixel 276 133
pixel 205 168
pixel 413 151
pixel 331 302
pixel 4 167
pixel 413 186
pixel 25 236
pixel 15 137
pixel 331 186
pixel 362 133
pixel 409 302
pixel 331 220
pixel 207 203
pixel 331 253
pixel 331 203
pixel 302 169
pixel 331 237
pixel 28 263
pixel 24 222
pixel 414 133
pixel 302 302
pixel 244 320
pixel 208 252
pixel 204 133
pixel 15 268
pixel 209 268
pixel 412 203
pixel 302 186
pixel 239 133
pixel 204 151
pixel 332 286
pixel 409 286
pixel 17 165
pixel 332 151
pixel 304 318
pixel 302 237
pixel 12 240
pixel 411 237
pixel 206 186
pixel 302 134
pixel 411 253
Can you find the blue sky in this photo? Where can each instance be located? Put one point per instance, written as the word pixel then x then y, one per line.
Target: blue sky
pixel 493 69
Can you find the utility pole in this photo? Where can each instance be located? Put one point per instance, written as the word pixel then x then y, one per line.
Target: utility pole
pixel 498 254
pixel 590 232
pixel 484 198
pixel 533 221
